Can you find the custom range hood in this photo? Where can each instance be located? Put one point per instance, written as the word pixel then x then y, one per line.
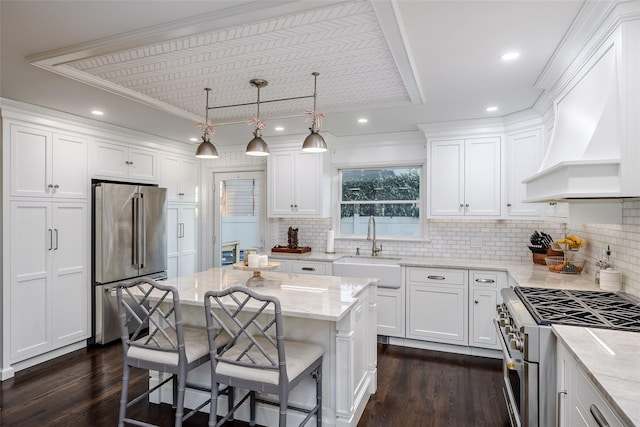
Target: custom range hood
pixel 594 151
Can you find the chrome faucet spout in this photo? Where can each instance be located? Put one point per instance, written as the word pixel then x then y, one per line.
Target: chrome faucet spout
pixel 372 224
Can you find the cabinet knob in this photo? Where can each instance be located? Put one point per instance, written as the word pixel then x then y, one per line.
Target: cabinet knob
pixel 467 205
pixel 56 186
pixel 475 301
pixel 50 185
pixel 461 205
pixel 508 205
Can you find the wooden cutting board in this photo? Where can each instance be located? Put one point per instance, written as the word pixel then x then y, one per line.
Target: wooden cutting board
pixel 288 250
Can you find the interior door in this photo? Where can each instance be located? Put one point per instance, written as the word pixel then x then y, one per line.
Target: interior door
pixel 239 216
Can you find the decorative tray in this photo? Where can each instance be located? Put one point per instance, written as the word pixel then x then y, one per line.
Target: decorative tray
pixel 288 250
pixel 241 266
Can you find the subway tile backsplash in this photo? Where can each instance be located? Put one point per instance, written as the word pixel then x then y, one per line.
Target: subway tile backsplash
pixel 490 239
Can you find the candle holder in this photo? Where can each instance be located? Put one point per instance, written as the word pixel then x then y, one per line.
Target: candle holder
pixel 256 280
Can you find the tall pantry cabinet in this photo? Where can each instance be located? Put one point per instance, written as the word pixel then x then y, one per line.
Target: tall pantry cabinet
pixel 47 300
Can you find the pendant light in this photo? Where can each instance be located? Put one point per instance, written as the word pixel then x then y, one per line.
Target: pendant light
pixel 257 146
pixel 314 142
pixel 206 150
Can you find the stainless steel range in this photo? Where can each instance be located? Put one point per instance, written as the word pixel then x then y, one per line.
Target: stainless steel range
pixel 524 325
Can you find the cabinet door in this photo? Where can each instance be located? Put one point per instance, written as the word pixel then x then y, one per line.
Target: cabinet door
pixel 280 177
pixel 71 300
pixel 483 311
pixel 307 183
pixel 169 177
pixel 174 230
pixel 70 166
pixel 390 312
pixel 30 161
pixel 188 182
pixel 524 154
pixel 482 177
pixel 143 165
pixel 188 240
pixel 446 182
pixel 565 368
pixel 31 290
pixel 437 313
pixel 111 160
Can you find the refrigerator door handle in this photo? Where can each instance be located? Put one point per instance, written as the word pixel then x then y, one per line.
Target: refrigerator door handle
pixel 143 232
pixel 136 232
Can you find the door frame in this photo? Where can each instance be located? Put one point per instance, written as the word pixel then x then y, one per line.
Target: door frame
pixel 215 219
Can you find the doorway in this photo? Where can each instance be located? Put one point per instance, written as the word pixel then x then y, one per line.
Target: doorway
pixel 239 216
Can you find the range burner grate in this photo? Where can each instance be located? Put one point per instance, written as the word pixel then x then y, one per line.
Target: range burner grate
pixel 596 309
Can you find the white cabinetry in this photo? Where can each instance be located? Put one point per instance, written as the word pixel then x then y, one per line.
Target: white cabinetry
pixel 49 291
pixel 437 305
pixel 579 402
pixel 390 312
pixel 180 176
pixel 182 245
pixel 524 156
pixel 465 177
pixel 298 183
pixel 48 164
pixel 484 295
pixel 124 162
pixel 297 266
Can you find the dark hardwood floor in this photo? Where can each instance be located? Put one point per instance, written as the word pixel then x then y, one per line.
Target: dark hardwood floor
pixel 415 388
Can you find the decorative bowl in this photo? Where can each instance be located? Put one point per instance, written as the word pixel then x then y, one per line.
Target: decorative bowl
pixel 563 265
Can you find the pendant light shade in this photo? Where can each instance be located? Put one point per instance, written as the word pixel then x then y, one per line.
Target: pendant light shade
pixel 314 142
pixel 206 150
pixel 257 146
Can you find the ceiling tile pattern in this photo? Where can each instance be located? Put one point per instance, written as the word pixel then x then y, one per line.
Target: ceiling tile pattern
pixel 343 42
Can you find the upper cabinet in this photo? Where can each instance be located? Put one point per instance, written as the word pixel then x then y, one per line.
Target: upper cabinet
pixel 465 177
pixel 180 176
pixel 48 164
pixel 299 184
pixel 124 162
pixel 524 155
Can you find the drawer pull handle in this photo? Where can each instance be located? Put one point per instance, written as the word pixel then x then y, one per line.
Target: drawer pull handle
pixel 436 277
pixel 308 269
pixel 485 281
pixel 597 415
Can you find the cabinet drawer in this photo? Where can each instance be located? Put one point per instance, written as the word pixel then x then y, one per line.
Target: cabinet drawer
pixel 484 278
pixel 589 401
pixel 437 275
pixel 310 267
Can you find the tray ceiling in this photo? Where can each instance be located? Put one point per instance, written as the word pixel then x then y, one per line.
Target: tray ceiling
pixel 344 42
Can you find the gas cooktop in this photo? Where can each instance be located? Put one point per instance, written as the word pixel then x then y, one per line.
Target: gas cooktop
pixel 597 309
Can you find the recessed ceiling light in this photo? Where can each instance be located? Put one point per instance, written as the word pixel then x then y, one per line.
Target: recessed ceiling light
pixel 194 139
pixel 492 109
pixel 510 56
pixel 279 128
pixel 97 113
pixel 363 120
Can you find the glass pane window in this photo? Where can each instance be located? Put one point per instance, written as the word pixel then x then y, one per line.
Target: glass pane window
pixel 390 195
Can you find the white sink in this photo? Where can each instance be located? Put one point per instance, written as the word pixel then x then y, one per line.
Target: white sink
pixel 386 269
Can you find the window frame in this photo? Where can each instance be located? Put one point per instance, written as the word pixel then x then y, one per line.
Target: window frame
pixel 338 169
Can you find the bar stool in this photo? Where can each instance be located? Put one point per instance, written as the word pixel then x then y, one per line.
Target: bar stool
pixel 254 358
pixel 168 346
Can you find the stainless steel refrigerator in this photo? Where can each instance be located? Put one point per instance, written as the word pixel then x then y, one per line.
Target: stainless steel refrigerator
pixel 130 240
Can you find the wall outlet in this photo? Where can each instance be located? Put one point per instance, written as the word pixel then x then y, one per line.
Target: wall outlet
pixel 476 243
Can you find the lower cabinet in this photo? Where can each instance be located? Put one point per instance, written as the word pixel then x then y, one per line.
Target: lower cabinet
pixel 390 312
pixel 182 245
pixel 437 305
pixel 453 306
pixel 323 268
pixel 49 291
pixel 484 295
pixel 579 403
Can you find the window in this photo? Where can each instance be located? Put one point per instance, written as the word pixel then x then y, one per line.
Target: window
pixel 390 195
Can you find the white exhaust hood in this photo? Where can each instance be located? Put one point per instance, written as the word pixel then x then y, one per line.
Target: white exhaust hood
pixel 593 152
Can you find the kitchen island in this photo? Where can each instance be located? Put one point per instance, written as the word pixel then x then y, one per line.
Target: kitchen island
pixel 338 313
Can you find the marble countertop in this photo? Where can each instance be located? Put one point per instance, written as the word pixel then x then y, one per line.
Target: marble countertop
pixel 300 295
pixel 523 273
pixel 610 359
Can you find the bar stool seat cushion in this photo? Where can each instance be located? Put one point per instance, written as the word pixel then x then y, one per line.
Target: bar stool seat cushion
pixel 196 345
pixel 300 356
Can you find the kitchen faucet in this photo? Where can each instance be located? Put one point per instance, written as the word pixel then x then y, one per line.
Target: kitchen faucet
pixel 374 250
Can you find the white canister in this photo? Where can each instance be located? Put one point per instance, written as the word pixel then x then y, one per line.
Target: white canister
pixel 330 237
pixel 610 280
pixel 263 260
pixel 254 260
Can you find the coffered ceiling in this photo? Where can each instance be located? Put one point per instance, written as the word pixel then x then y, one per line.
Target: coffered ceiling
pixel 398 63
